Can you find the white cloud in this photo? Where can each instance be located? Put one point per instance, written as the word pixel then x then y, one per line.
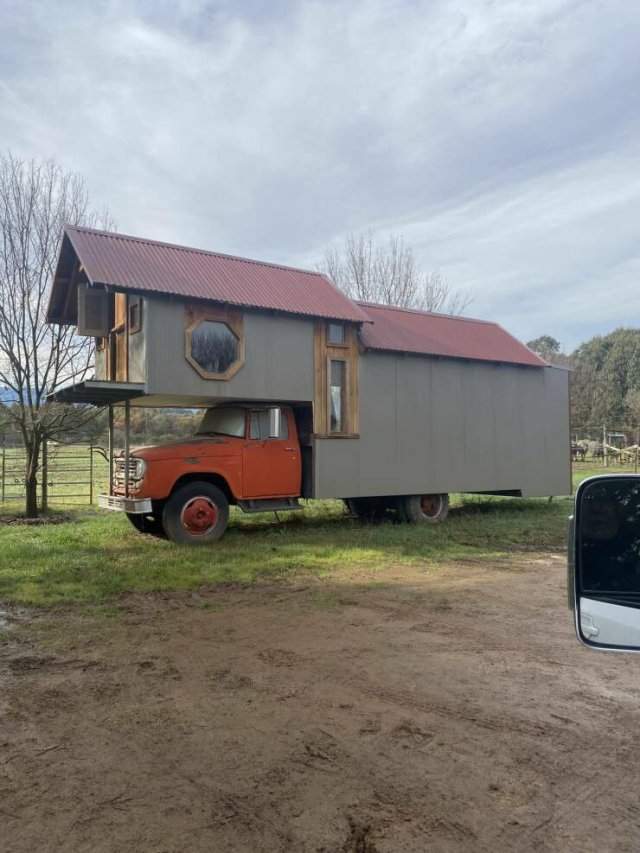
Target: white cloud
pixel 499 136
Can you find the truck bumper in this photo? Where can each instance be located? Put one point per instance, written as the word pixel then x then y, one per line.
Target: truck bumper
pixel 118 503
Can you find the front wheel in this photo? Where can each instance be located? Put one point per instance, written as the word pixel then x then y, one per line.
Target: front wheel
pixel 143 523
pixel 424 509
pixel 196 514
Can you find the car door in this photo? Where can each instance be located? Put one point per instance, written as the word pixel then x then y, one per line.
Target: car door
pixel 271 455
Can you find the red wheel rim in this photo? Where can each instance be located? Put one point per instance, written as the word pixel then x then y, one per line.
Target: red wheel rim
pixel 199 515
pixel 430 505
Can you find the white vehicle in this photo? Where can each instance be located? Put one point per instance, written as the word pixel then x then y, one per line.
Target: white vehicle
pixel 604 562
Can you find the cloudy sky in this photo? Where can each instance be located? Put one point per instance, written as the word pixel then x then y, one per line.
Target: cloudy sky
pixel 500 137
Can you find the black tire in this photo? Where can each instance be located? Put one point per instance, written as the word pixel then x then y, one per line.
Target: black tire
pixel 367 509
pixel 424 509
pixel 151 524
pixel 196 514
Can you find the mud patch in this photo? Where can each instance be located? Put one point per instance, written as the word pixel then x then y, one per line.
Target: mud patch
pixel 26 664
pixel 264 728
pixel 278 657
pixel 359 839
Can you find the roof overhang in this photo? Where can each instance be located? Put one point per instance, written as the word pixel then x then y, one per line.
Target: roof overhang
pixel 95 393
pixel 132 264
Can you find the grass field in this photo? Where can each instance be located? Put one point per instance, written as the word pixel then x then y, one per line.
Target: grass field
pixel 92 556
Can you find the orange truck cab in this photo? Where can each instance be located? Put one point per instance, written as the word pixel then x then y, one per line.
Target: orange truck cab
pixel 247 455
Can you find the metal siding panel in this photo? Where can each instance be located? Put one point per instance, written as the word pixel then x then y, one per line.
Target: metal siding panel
pixel 489 428
pixel 278 357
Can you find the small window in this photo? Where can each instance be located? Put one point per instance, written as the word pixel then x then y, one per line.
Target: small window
pixel 214 347
pixel 335 333
pixel 269 423
pixel 337 395
pixel 135 314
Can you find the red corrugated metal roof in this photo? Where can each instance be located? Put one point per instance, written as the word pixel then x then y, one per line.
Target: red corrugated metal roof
pixel 407 330
pixel 146 265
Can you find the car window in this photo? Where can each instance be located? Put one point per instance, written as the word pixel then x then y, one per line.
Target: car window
pixel 260 422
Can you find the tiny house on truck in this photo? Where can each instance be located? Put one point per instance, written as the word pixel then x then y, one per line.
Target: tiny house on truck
pixel 306 393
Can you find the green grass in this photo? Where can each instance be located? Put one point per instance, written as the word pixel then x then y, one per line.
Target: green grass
pixel 96 556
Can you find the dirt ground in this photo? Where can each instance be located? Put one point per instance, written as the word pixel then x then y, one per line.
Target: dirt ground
pixel 442 710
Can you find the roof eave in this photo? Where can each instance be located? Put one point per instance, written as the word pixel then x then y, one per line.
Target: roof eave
pixel 422 354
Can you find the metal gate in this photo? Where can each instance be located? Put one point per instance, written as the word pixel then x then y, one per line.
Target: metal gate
pixel 70 474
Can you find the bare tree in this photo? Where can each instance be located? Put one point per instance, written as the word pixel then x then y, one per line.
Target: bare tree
pixel 387 273
pixel 36 200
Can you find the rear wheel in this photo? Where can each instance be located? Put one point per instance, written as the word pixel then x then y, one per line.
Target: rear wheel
pixel 424 509
pixel 147 523
pixel 196 514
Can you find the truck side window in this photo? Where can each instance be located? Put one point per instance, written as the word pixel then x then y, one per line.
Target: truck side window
pixel 259 425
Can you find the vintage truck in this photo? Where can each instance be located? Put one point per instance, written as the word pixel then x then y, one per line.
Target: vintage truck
pixel 305 392
pixel 245 455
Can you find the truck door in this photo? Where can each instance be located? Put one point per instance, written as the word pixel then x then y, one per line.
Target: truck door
pixel 271 455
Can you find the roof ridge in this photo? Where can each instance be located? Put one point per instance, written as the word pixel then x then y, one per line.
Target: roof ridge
pixel 116 235
pixel 423 313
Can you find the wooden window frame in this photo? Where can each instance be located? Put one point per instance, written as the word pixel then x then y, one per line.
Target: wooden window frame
pixel 346 413
pixel 324 354
pixel 230 317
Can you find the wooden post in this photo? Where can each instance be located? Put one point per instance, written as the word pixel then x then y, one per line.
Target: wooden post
pixel 127 424
pixel 604 446
pixel 4 469
pixel 637 442
pixel 110 449
pixel 45 476
pixel 91 475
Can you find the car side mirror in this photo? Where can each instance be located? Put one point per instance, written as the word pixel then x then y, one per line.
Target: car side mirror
pixel 604 562
pixel 274 423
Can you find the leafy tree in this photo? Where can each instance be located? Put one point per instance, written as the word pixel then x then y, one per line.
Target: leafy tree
pixel 632 404
pixel 606 370
pixel 545 346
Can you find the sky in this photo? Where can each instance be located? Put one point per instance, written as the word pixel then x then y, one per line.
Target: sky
pixel 501 138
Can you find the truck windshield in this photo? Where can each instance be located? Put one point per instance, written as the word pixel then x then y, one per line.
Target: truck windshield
pixel 223 421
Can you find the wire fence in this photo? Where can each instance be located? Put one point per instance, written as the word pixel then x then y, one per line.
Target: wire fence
pixel 607 444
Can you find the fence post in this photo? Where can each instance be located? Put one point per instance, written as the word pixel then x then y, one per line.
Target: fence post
pixel 4 468
pixel 45 476
pixel 91 475
pixel 604 446
pixel 637 442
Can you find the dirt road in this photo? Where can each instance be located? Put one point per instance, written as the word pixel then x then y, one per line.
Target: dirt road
pixel 446 710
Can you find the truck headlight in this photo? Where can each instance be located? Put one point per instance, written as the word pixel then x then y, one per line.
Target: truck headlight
pixel 138 468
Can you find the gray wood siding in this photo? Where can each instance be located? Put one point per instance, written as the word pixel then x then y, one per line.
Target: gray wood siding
pixel 278 357
pixel 437 425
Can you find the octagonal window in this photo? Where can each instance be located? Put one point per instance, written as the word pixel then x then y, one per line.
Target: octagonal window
pixel 214 347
